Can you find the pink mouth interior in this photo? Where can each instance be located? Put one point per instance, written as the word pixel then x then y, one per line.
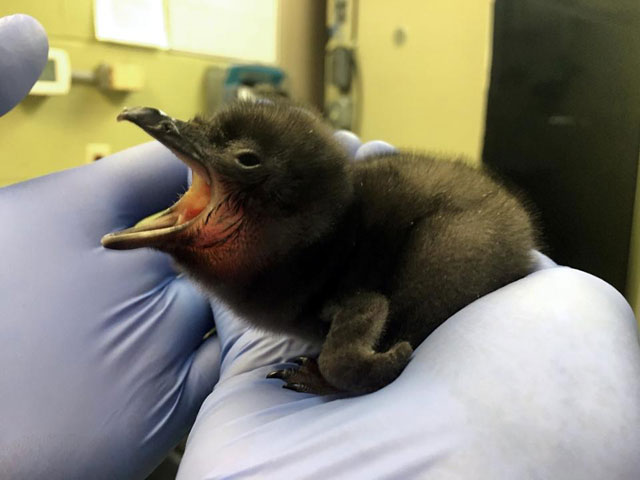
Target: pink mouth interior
pixel 194 201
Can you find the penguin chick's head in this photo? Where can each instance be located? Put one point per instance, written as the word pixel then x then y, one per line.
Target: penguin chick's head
pixel 267 178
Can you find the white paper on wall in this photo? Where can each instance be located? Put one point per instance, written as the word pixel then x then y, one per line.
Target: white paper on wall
pixel 133 22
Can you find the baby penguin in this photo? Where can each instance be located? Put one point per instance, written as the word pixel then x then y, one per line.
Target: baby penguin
pixel 364 258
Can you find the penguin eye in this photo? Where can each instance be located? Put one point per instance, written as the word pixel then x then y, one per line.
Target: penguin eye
pixel 248 159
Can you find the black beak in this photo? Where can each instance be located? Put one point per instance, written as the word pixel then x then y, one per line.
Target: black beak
pixel 167 130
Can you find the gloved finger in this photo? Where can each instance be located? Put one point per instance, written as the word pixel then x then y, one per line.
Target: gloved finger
pixel 169 411
pixel 189 328
pixel 136 183
pixel 245 348
pixel 229 326
pixel 202 375
pixel 376 147
pixel 109 195
pixel 23 55
pixel 349 140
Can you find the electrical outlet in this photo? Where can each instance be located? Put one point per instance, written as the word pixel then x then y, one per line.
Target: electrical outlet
pixel 95 151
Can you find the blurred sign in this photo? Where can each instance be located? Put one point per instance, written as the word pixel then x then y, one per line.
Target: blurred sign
pixel 134 22
pixel 239 29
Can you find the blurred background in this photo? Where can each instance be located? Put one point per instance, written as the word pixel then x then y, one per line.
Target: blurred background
pixel 546 92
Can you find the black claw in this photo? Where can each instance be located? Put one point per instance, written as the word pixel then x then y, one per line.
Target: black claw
pixel 296 387
pixel 281 374
pixel 299 360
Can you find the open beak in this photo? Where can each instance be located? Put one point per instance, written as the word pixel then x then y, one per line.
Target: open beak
pixel 170 225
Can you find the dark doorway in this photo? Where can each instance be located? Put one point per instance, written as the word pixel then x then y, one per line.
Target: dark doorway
pixel 563 123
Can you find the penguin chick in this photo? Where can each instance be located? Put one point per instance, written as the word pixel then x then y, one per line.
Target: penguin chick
pixel 364 258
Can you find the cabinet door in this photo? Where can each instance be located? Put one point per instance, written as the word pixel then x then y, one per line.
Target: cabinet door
pixel 563 122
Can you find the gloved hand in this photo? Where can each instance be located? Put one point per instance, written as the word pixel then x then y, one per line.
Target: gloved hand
pixel 540 379
pixel 102 363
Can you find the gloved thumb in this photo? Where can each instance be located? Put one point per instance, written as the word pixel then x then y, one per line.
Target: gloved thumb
pixel 23 55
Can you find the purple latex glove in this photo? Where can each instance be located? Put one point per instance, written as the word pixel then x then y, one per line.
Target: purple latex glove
pixel 540 379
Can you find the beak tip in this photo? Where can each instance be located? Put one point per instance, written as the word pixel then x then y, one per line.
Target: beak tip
pixel 123 115
pixel 104 241
pixel 110 242
pixel 143 116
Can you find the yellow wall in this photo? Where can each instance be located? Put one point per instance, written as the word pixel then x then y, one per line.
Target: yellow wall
pixel 44 134
pixel 430 92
